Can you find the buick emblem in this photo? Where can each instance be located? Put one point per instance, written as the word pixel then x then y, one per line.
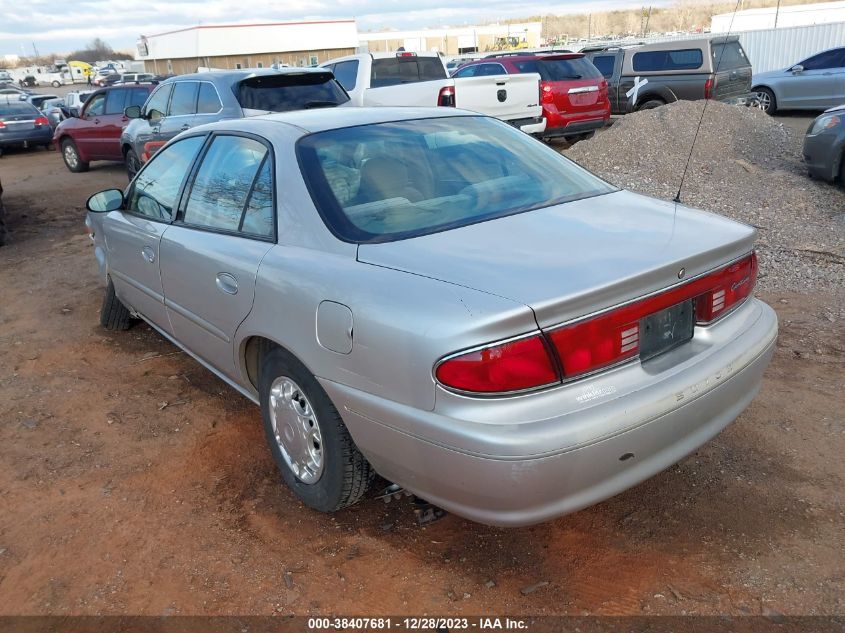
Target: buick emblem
pixel 681 273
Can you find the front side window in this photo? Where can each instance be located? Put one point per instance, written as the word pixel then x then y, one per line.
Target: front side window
pixel 184 99
pixel 655 61
pixel 208 101
pixel 823 61
pixel 605 64
pixel 157 105
pixel 221 191
pixel 390 181
pixel 156 188
pixel 96 106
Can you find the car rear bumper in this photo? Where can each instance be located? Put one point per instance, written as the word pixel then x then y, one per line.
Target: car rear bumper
pixel 821 154
pixel 587 456
pixel 532 125
pixel 18 138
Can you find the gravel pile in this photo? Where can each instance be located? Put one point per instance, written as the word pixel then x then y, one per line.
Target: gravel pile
pixel 746 166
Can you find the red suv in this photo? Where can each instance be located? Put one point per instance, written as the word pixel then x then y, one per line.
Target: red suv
pixel 95 133
pixel 573 92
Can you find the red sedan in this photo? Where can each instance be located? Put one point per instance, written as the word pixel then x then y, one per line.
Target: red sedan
pixel 573 92
pixel 95 133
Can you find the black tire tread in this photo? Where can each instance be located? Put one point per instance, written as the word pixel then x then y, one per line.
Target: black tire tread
pixel 114 315
pixel 2 223
pixel 82 165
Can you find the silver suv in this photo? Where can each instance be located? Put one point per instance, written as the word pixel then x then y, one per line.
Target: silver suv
pixel 183 102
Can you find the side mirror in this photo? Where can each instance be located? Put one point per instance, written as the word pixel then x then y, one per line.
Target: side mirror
pixel 797 69
pixel 132 112
pixel 105 201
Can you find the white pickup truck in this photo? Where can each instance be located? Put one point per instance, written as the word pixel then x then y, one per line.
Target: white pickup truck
pixel 420 79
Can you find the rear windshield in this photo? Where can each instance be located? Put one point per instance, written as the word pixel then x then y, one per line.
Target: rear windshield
pixel 560 69
pixel 390 181
pixel 280 93
pixel 15 109
pixel 729 56
pixel 652 61
pixel 392 71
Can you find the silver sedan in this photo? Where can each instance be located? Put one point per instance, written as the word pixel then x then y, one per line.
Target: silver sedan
pixel 437 297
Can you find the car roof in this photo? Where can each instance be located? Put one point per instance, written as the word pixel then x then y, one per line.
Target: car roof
pixel 524 57
pixel 231 76
pixel 321 119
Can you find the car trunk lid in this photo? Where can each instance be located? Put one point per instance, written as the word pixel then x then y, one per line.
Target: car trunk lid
pixel 570 260
pixel 573 83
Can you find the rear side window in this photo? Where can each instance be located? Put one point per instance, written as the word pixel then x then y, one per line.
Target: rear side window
pixel 209 101
pixel 184 99
pixel 655 61
pixel 137 96
pixel 115 101
pixel 347 73
pixel 393 71
pixel 222 190
pixel 729 56
pixel 823 61
pixel 605 64
pixel 291 91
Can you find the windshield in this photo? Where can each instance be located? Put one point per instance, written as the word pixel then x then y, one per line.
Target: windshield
pixel 295 91
pixel 390 181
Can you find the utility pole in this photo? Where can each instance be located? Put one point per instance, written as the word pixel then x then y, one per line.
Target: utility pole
pixel 589 27
pixel 777 11
pixel 35 50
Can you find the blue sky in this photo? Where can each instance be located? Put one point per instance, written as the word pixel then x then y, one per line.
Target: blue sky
pixel 62 27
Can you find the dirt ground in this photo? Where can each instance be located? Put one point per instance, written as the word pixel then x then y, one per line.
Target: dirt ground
pixel 132 481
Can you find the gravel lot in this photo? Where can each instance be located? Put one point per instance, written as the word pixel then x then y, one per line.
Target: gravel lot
pixel 745 165
pixel 132 481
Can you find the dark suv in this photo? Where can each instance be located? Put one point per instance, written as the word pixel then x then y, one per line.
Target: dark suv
pixel 650 75
pixel 572 92
pixel 186 101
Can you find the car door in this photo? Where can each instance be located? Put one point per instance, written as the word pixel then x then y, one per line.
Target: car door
pixel 181 112
pixel 86 133
pixel 111 125
pixel 146 137
pixel 209 105
pixel 133 235
pixel 211 254
pixel 815 86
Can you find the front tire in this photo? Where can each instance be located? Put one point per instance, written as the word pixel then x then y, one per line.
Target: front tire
pixel 56 84
pixel 70 154
pixel 114 315
pixel 133 164
pixel 312 448
pixel 766 100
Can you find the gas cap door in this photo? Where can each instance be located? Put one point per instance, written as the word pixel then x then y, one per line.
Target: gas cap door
pixel 334 327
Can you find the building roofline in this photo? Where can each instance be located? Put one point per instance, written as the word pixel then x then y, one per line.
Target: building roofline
pixel 237 26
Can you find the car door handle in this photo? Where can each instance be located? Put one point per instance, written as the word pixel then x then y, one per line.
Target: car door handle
pixel 149 254
pixel 96 121
pixel 185 127
pixel 227 283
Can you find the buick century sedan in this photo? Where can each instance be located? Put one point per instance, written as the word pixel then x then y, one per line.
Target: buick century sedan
pixel 437 297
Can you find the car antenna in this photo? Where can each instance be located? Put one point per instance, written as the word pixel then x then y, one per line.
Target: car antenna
pixel 677 198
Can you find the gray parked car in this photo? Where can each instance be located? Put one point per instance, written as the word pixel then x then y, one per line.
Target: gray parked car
pixel 435 296
pixel 644 76
pixel 185 101
pixel 824 146
pixel 816 83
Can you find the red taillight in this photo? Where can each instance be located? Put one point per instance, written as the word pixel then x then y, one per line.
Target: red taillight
pixel 42 120
pixel 2 124
pixel 446 97
pixel 594 343
pixel 506 367
pixel 546 95
pixel 734 284
pixel 708 88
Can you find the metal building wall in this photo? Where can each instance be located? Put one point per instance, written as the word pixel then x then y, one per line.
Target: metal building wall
pixel 780 48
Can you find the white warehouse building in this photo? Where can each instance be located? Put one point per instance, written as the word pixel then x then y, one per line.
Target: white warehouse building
pixel 456 40
pixel 233 46
pixel 772 17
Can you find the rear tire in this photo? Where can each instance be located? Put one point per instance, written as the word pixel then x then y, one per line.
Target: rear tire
pixel 70 154
pixel 2 223
pixel 575 138
pixel 132 163
pixel 651 104
pixel 842 171
pixel 114 315
pixel 766 100
pixel 56 84
pixel 293 406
